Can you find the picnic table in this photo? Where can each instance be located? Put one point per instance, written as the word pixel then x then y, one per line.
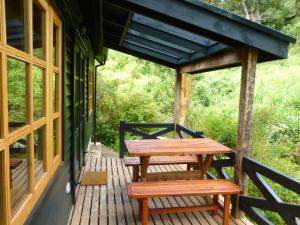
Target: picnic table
pixel 203 148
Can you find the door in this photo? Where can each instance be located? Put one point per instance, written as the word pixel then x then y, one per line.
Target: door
pixel 79 108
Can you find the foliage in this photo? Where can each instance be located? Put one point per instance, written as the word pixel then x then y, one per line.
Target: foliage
pixel 274 13
pixel 126 94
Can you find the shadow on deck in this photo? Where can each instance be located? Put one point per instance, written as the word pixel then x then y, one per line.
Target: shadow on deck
pixel 109 205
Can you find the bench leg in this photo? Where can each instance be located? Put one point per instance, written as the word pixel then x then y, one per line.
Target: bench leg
pixel 135 173
pixel 144 211
pixel 226 210
pixel 215 202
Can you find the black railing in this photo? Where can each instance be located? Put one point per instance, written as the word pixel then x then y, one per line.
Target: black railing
pixel 138 131
pixel 258 173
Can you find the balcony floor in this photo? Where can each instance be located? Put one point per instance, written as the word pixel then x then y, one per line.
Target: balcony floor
pixel 109 204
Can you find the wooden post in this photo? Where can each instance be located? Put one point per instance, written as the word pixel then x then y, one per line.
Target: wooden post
pixel 183 86
pixel 249 60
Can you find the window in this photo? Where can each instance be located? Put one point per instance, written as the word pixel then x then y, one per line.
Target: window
pixel 55 92
pixel 38 92
pixel 55 45
pixel 16 24
pixel 18 170
pixel 39 149
pixel 16 88
pixel 38 18
pixel 90 90
pixel 27 134
pixel 55 144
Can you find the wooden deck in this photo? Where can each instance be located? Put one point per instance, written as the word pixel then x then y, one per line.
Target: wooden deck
pixel 109 204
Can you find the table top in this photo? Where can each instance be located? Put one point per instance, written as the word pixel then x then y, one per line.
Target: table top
pixel 159 147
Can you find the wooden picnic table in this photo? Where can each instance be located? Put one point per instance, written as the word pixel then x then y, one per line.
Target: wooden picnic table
pixel 201 147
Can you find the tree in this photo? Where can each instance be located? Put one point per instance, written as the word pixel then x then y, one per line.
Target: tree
pixel 274 13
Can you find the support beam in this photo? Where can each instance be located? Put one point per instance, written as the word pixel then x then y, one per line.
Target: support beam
pixel 183 86
pixel 249 61
pixel 218 61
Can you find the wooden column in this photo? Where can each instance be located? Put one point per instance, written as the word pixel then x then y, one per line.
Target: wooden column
pixel 183 86
pixel 249 60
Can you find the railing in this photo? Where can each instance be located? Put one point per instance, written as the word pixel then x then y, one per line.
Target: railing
pixel 271 201
pixel 257 173
pixel 138 130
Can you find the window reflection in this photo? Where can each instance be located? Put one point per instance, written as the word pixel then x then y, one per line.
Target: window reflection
pixel 55 144
pixel 38 26
pixel 39 148
pixel 38 92
pixel 55 45
pixel 18 166
pixel 15 23
pixel 55 92
pixel 16 89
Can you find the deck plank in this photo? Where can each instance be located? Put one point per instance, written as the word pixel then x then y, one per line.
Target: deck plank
pixel 76 219
pixel 109 204
pixel 103 198
pixel 112 216
pixel 85 217
pixel 96 198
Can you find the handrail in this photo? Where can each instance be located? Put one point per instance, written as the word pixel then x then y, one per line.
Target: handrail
pixel 257 172
pixel 165 128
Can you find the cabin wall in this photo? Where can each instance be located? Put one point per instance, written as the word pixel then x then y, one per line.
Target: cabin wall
pixel 57 201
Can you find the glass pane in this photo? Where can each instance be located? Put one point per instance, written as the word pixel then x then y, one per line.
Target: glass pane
pixel 1 190
pixel 38 27
pixel 18 166
pixel 16 89
pixel 55 145
pixel 55 92
pixel 55 45
pixel 15 23
pixel 38 92
pixel 39 149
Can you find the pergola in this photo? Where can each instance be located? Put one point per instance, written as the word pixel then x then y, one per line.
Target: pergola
pixel 191 36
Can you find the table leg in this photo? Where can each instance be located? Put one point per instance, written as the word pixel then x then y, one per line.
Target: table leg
pixel 200 163
pixel 206 165
pixel 136 173
pixel 144 160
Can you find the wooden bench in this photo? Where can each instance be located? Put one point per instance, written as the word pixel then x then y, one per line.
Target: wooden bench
pixel 142 191
pixel 190 160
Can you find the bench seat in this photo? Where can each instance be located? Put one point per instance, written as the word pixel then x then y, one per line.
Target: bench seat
pixel 189 160
pixel 142 191
pixel 162 160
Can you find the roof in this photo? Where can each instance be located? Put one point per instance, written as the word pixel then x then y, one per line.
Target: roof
pixel 178 32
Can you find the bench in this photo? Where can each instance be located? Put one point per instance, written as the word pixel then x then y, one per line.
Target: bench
pixel 190 160
pixel 142 191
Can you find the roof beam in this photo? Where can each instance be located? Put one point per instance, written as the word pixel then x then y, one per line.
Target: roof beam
pixel 159 25
pixel 160 41
pixel 151 51
pixel 129 18
pixel 138 54
pixel 155 45
pixel 214 62
pixel 167 37
pixel 215 24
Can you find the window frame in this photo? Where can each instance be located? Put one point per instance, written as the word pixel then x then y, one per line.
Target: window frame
pixel 6 137
pixel 57 69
